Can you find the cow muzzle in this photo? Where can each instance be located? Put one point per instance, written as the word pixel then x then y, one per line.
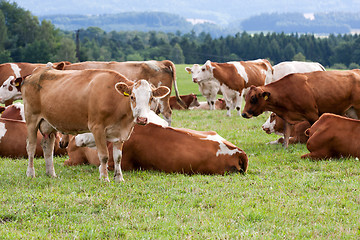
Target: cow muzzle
pixel 267 130
pixel 141 120
pixel 195 80
pixel 246 115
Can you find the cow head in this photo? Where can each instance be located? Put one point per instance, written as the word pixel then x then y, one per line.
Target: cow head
pixel 201 73
pixel 274 124
pixel 194 102
pixel 255 102
pixel 141 95
pixel 10 89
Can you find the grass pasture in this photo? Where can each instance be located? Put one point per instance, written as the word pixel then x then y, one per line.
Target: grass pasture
pixel 280 197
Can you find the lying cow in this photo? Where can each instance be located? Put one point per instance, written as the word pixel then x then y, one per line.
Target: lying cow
pixel 219 105
pixel 275 124
pixel 153 147
pixel 13 135
pixel 14 111
pixel 190 101
pixel 305 96
pixel 234 78
pixel 103 102
pixel 333 136
pixel 159 73
pixel 285 68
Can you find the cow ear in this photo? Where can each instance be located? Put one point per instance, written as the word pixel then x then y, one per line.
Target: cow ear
pixel 161 92
pixel 60 66
pixel 17 81
pixel 2 109
pixel 123 89
pixel 188 70
pixel 266 95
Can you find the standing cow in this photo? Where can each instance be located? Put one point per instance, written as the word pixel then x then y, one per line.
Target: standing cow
pixel 103 102
pixel 305 96
pixel 159 73
pixel 233 78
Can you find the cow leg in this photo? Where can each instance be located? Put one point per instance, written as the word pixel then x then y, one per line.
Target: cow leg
pixel 31 147
pixel 239 99
pixel 47 144
pixel 287 132
pixel 103 153
pixel 117 154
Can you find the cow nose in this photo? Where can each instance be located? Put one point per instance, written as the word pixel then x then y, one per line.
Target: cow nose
pixel 141 120
pixel 195 80
pixel 244 115
pixel 267 130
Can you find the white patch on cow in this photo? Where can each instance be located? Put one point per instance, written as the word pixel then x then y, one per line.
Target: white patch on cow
pixel 223 149
pixel 241 70
pixel 85 140
pixel 20 106
pixel 16 70
pixel 155 119
pixel 153 65
pixel 2 130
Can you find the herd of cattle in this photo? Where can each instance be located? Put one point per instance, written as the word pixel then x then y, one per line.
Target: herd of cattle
pixel 105 113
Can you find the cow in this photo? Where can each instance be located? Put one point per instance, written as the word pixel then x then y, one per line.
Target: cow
pixel 219 105
pixel 99 101
pixel 275 124
pixel 333 136
pixel 285 68
pixel 190 101
pixel 11 71
pixel 167 149
pixel 13 135
pixel 159 73
pixel 14 111
pixel 305 96
pixel 234 78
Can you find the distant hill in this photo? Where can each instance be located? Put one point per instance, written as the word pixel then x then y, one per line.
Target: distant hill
pixel 319 23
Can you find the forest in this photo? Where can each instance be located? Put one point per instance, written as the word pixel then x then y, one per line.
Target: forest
pixel 23 38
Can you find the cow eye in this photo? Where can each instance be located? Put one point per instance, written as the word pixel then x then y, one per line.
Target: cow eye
pixel 253 100
pixel 132 97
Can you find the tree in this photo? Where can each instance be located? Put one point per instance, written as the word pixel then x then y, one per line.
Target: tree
pixel 66 51
pixel 299 57
pixel 176 54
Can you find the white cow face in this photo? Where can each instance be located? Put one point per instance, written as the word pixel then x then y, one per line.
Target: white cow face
pixel 141 95
pixel 10 89
pixel 201 73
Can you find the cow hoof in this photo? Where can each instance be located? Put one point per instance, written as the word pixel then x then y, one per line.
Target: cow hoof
pixel 104 179
pixel 51 174
pixel 30 172
pixel 119 179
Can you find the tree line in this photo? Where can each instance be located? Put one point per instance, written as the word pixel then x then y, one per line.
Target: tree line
pixel 24 39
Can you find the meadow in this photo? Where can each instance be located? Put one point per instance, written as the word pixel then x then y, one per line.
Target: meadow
pixel 280 197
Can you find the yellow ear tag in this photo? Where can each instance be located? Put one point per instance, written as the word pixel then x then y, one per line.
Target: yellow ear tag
pixel 189 72
pixel 17 84
pixel 126 94
pixel 266 98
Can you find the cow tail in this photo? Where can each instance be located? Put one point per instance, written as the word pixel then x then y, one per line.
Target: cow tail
pixel 171 66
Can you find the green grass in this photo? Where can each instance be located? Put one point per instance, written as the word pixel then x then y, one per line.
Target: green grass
pixel 280 197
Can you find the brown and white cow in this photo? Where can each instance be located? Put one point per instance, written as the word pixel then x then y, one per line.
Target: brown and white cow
pixel 333 136
pixel 285 68
pixel 275 124
pixel 233 77
pixel 305 96
pixel 219 105
pixel 14 111
pixel 190 101
pixel 103 102
pixel 159 73
pixel 153 147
